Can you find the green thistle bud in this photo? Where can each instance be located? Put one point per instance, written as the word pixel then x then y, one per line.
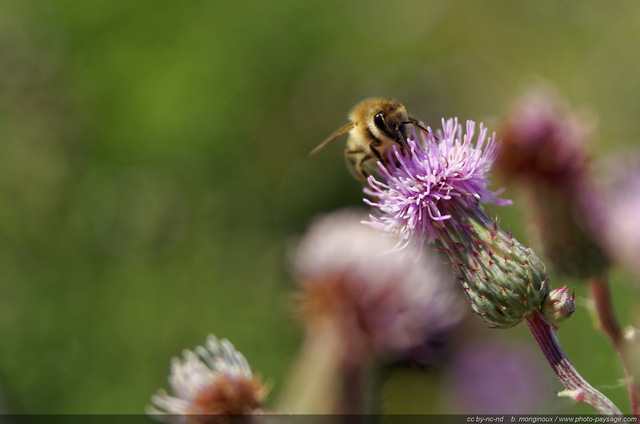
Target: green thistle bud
pixel 559 305
pixel 504 280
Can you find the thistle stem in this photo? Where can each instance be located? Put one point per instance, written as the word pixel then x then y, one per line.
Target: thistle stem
pixel 312 387
pixel 577 387
pixel 608 324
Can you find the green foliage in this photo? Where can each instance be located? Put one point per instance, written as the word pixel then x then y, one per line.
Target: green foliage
pixel 153 164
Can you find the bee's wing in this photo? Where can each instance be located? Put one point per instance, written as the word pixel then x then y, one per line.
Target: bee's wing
pixel 340 131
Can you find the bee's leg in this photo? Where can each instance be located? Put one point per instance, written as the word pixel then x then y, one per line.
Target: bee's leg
pixel 375 152
pixel 356 159
pixel 383 160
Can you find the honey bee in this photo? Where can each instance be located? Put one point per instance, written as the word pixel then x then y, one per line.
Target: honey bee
pixel 376 126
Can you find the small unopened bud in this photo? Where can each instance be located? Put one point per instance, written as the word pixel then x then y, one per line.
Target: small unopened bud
pixel 559 305
pixel 578 395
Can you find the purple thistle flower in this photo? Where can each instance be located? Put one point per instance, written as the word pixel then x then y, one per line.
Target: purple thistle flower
pixel 436 178
pixel 434 190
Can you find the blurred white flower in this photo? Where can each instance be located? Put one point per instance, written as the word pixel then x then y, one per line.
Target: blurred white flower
pixel 212 380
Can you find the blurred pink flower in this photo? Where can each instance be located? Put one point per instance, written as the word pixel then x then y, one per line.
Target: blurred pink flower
pixel 622 225
pixel 382 300
pixel 545 147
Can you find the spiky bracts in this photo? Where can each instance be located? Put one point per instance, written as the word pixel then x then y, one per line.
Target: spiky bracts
pixel 504 280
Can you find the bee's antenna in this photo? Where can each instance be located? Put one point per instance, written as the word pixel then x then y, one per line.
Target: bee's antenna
pixel 419 125
pixel 416 123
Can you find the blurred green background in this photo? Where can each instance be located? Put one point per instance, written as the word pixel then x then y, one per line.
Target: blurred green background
pixel 154 169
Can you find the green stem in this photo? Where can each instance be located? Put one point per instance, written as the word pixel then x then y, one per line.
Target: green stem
pixel 608 324
pixel 577 387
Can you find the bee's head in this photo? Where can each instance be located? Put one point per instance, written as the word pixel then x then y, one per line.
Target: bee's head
pixel 390 119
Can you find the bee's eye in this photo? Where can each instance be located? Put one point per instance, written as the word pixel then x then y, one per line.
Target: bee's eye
pixel 378 120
